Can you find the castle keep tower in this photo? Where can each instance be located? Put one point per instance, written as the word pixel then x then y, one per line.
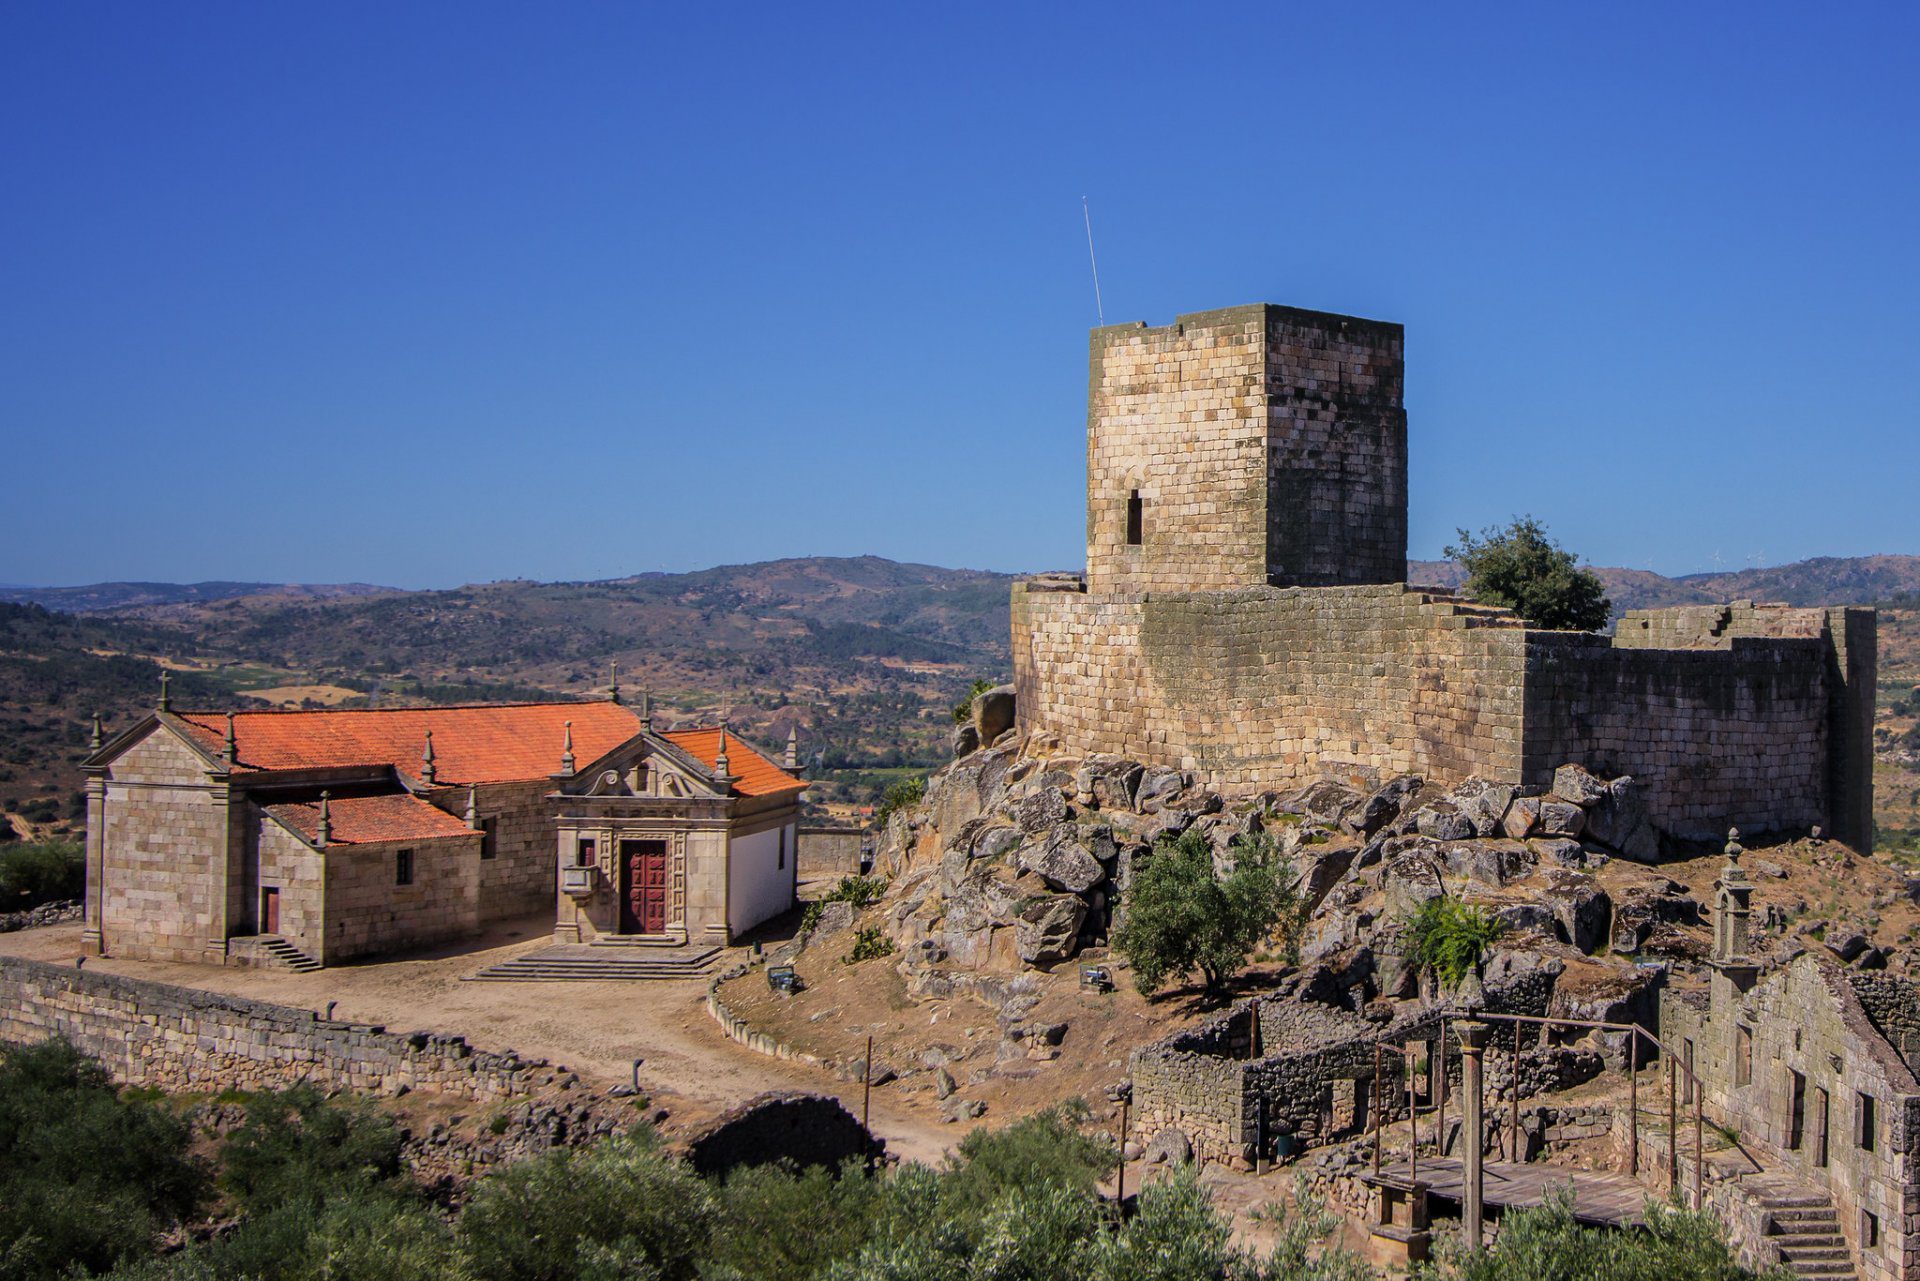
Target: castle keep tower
pixel 1245 616
pixel 1249 447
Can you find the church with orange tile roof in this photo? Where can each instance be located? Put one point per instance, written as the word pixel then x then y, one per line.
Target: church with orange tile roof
pixel 305 838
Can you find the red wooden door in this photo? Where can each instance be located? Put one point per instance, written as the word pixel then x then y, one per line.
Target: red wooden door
pixel 645 905
pixel 269 911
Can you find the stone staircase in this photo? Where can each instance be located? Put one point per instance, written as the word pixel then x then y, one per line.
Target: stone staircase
pixel 1804 1229
pixel 588 964
pixel 275 952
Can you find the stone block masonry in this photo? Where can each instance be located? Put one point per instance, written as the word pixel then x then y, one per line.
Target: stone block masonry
pixel 181 1039
pixel 1243 614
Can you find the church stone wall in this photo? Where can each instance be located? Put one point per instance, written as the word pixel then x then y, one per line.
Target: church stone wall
pixel 368 912
pixel 165 847
pixel 519 878
pixel 298 871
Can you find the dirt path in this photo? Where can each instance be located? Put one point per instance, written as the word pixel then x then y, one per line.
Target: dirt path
pixel 595 1029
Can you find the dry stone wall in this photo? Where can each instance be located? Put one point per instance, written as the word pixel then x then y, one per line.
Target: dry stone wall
pixel 181 1039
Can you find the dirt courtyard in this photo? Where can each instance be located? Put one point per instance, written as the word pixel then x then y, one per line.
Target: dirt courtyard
pixel 596 1029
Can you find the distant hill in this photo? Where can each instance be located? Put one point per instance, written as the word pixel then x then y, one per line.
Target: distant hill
pixel 863 655
pixel 100 597
pixel 1825 580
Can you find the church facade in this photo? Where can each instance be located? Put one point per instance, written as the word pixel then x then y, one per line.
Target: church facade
pixel 307 838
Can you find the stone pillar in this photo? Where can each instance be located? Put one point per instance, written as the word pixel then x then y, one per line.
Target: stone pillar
pixel 1473 1047
pixel 92 933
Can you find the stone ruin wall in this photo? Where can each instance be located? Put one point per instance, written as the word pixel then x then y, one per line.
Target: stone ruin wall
pixel 181 1039
pixel 1271 687
pixel 1813 1019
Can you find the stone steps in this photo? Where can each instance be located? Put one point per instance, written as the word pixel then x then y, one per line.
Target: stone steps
pixel 284 955
pixel 550 967
pixel 1804 1230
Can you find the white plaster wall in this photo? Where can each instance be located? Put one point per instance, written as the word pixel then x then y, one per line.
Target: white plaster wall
pixel 759 887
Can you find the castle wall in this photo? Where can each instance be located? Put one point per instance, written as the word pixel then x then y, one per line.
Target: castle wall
pixel 1269 687
pixel 1716 737
pixel 1262 687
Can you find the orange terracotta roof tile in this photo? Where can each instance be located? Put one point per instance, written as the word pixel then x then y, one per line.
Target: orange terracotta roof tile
pixel 754 774
pixel 479 743
pixel 362 820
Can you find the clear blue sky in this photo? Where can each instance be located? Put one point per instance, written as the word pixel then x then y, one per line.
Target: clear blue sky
pixel 426 294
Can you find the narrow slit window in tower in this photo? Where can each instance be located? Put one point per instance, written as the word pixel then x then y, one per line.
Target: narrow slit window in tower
pixel 1134 518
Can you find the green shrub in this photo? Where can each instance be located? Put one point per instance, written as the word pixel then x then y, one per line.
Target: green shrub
pixel 619 1209
pixel 869 941
pixel 87 1178
pixel 903 794
pixel 41 872
pixel 1452 937
pixel 776 1224
pixel 1523 569
pixel 1049 1149
pixel 297 1146
pixel 1547 1244
pixel 1182 915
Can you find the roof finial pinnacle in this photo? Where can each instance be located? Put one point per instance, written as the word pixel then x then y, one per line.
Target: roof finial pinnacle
pixel 99 734
pixel 473 807
pixel 566 749
pixel 791 761
pixel 613 682
pixel 429 772
pixel 232 744
pixel 722 767
pixel 646 708
pixel 166 694
pixel 324 833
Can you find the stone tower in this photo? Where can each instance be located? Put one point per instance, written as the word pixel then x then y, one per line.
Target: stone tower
pixel 1250 447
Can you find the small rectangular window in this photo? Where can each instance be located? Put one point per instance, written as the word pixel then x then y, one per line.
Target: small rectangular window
pixel 488 848
pixel 1869 1229
pixel 403 867
pixel 1686 1077
pixel 1135 519
pixel 584 852
pixel 1742 1055
pixel 1865 1121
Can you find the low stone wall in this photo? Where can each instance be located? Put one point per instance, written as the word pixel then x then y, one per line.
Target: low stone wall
pixel 738 1029
pixel 825 853
pixel 183 1039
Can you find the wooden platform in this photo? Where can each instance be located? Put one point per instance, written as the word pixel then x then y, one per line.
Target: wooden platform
pixel 1604 1200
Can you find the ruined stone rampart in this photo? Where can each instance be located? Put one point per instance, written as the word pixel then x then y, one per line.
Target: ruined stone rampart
pixel 176 1039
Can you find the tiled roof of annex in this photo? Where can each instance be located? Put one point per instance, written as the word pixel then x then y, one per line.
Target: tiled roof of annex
pixel 363 820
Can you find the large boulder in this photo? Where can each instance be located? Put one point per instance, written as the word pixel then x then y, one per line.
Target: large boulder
pixel 966 740
pixel 1048 930
pixel 1330 801
pixel 1574 783
pixel 1157 786
pixel 1490 863
pixel 1384 805
pixel 1484 804
pixel 1522 818
pixel 1442 821
pixel 1063 862
pixel 1040 809
pixel 1618 820
pixel 1109 782
pixel 1583 909
pixel 1561 818
pixel 993 713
